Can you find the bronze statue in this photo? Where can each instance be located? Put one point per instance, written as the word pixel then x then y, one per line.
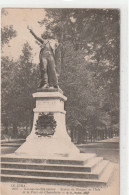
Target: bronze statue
pixel 48 68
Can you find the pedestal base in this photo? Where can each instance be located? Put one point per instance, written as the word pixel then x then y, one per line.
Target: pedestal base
pixel 47 147
pixel 58 144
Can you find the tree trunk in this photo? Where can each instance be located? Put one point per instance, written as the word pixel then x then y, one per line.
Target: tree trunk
pixel 6 130
pixel 72 135
pixel 15 131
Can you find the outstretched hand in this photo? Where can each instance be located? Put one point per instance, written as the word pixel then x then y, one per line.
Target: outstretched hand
pixel 35 36
pixel 29 28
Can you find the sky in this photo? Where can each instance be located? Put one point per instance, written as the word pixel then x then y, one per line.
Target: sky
pixel 20 19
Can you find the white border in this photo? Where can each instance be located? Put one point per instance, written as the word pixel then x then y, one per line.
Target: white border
pixel 124 105
pixel 64 3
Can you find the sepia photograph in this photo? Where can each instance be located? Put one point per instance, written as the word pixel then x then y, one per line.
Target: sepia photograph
pixel 60 101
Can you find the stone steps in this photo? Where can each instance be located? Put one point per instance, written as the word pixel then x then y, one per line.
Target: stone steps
pixel 42 166
pixel 86 170
pixel 79 160
pixel 108 173
pixel 50 173
pixel 13 141
pixel 68 181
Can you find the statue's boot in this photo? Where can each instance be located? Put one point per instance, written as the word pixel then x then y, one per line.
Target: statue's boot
pixel 56 86
pixel 41 84
pixel 45 86
pixel 44 80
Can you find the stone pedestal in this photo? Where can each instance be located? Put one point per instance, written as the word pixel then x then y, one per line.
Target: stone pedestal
pixel 58 144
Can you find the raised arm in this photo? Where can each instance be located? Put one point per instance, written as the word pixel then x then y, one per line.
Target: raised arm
pixel 40 40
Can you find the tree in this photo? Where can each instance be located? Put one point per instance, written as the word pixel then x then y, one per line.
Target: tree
pixel 7 33
pixel 90 60
pixel 7 74
pixel 19 81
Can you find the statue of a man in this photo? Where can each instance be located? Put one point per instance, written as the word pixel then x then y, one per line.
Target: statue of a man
pixel 48 71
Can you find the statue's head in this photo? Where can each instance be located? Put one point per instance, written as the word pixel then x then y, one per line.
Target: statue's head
pixel 47 35
pixel 44 36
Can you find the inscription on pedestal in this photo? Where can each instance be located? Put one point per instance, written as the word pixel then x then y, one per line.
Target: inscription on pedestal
pixel 45 105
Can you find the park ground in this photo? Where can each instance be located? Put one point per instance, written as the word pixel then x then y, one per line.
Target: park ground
pixel 108 149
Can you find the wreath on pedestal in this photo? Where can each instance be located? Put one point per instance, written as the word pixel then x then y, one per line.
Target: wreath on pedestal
pixel 45 124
